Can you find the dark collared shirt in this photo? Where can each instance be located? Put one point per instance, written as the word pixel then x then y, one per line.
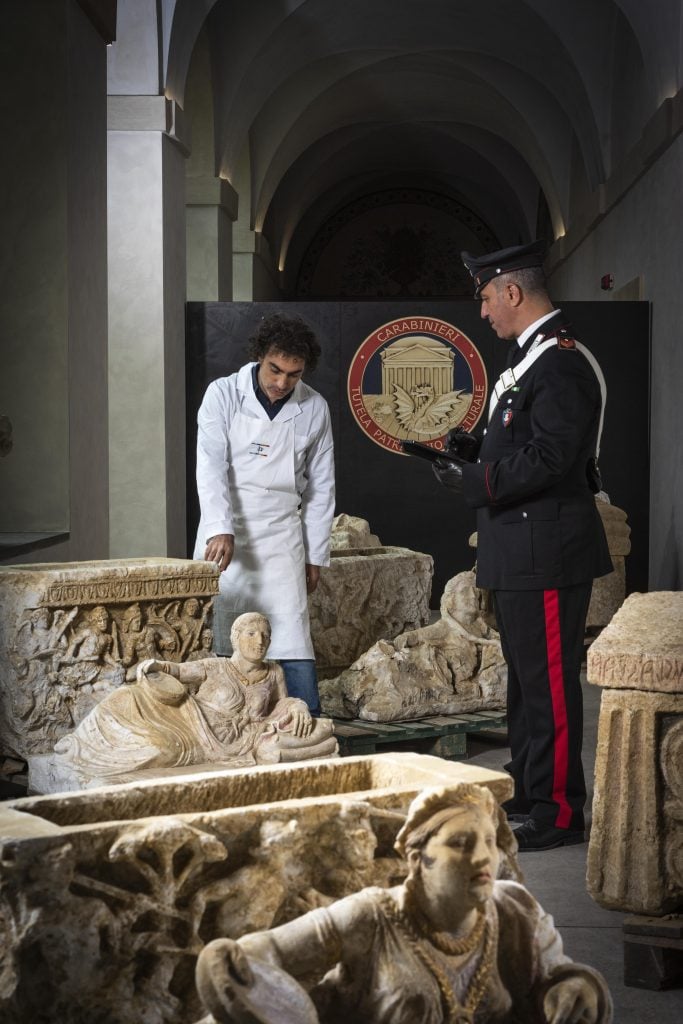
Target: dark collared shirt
pixel 272 408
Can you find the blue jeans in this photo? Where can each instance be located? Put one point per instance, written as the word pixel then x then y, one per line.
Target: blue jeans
pixel 302 681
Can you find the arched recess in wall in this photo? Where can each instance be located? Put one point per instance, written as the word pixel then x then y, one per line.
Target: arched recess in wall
pixel 394 243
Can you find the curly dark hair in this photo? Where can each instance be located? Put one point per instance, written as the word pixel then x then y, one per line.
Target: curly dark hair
pixel 289 335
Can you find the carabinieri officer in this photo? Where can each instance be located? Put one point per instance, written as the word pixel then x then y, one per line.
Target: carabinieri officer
pixel 540 537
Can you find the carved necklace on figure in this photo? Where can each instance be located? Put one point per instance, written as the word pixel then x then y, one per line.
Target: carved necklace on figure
pixel 253 677
pixel 416 928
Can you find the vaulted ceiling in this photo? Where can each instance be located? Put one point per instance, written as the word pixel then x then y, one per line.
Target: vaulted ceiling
pixel 515 108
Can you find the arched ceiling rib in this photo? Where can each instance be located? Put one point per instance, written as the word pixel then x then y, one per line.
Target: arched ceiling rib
pixel 441 96
pixel 353 161
pixel 522 92
pixel 363 34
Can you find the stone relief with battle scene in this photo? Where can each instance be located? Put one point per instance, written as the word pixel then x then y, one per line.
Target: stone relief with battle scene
pixel 73 633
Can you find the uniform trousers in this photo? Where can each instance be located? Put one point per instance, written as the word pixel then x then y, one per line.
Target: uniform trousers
pixel 542 636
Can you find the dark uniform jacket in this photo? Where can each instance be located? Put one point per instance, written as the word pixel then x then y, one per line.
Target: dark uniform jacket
pixel 538 527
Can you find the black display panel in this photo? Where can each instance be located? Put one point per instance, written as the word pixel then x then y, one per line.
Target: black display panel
pixel 398 495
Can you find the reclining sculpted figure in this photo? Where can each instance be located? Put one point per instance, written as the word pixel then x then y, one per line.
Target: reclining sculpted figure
pixel 232 711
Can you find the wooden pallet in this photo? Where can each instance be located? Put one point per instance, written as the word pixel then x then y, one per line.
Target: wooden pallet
pixel 653 951
pixel 443 735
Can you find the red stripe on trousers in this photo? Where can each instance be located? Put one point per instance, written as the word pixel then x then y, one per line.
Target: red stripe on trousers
pixel 551 603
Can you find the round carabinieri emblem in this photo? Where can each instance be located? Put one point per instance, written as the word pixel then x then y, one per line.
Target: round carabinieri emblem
pixel 415 379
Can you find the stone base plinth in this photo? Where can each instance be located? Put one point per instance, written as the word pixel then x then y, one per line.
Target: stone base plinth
pixel 72 632
pixel 366 595
pixel 107 896
pixel 635 856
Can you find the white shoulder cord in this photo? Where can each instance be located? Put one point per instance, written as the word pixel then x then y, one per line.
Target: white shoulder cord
pixel 513 375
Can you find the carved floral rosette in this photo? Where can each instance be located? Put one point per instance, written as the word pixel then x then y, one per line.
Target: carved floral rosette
pixel 71 633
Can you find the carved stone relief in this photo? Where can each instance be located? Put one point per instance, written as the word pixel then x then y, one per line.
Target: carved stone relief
pixel 105 902
pixel 454 665
pixel 229 711
pixel 69 634
pixel 352 532
pixel 635 854
pixel 364 595
pixel 671 764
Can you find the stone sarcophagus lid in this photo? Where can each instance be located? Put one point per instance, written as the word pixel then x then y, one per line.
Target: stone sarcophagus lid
pixel 635 856
pixel 107 896
pixel 366 595
pixel 72 632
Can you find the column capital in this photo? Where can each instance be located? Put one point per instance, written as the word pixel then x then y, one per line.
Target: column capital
pixel 148 114
pixel 204 190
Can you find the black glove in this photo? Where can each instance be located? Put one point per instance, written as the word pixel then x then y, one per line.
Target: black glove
pixel 449 473
pixel 465 446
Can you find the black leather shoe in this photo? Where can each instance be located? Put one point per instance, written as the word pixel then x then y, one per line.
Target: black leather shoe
pixel 534 835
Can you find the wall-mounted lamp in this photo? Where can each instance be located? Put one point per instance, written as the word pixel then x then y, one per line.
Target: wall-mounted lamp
pixel 607 282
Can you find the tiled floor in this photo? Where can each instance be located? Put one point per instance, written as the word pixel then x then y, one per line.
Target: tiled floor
pixel 590 933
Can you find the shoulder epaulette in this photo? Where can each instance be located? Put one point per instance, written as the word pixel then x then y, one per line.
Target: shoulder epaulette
pixel 565 340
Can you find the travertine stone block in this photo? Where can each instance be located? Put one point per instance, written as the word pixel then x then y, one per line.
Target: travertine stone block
pixel 72 632
pixel 607 594
pixel 352 532
pixel 365 595
pixel 642 648
pixel 105 901
pixel 635 856
pixel 609 591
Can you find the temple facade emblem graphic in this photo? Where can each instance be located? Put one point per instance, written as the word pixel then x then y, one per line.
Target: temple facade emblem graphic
pixel 415 379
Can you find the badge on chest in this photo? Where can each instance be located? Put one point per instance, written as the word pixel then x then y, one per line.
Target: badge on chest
pixel 258 448
pixel 507 417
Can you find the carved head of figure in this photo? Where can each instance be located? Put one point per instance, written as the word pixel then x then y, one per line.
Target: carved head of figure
pixel 99 618
pixel 250 636
pixel 452 840
pixel 206 640
pixel 132 618
pixel 40 618
pixel 191 607
pixel 460 599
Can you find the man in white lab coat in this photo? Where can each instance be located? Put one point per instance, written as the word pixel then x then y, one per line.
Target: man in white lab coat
pixel 265 477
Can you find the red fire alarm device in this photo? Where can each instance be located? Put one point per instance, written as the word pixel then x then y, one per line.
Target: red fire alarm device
pixel 607 282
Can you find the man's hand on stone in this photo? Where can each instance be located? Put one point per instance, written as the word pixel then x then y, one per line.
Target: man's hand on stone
pixel 220 549
pixel 312 577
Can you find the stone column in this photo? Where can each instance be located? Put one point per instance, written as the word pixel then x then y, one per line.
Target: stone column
pixel 635 856
pixel 254 273
pixel 211 210
pixel 146 214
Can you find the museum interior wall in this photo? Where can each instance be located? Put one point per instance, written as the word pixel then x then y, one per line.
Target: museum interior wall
pixel 53 319
pixel 631 242
pixel 236 138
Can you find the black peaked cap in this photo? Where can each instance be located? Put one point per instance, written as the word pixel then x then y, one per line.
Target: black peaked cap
pixel 491 264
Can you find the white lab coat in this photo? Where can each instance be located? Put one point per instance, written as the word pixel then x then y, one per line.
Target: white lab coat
pixel 270 483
